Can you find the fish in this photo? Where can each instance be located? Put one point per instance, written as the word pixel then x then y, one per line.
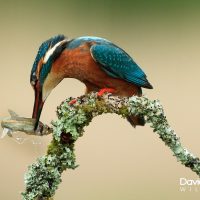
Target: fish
pixel 15 123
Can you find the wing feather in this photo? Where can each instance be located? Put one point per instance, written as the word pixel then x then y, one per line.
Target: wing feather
pixel 118 64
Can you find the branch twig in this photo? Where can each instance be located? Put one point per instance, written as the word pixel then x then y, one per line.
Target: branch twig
pixel 44 176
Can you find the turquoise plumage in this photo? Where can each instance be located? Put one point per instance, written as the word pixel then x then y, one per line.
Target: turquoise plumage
pixel 44 47
pixel 98 63
pixel 114 60
pixel 118 64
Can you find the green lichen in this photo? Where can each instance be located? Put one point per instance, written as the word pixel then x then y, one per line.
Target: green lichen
pixel 44 176
pixel 54 148
pixel 123 111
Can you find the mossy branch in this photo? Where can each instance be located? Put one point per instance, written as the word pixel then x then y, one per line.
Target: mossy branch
pixel 44 176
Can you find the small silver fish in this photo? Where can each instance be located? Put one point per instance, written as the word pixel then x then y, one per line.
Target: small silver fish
pixel 26 125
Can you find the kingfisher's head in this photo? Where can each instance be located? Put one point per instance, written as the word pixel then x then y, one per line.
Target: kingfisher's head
pixel 42 80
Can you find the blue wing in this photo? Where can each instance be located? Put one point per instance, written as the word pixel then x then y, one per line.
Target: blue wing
pixel 118 64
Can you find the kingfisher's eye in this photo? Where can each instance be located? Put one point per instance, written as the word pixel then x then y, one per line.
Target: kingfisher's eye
pixel 33 79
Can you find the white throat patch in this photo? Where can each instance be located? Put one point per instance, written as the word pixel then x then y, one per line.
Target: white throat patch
pixel 51 51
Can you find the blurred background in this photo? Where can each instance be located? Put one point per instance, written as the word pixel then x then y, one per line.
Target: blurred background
pixel 116 161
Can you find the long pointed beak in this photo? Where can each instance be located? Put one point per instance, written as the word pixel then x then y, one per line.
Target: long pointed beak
pixel 38 105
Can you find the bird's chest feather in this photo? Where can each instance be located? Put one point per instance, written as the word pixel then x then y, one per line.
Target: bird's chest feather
pixel 78 63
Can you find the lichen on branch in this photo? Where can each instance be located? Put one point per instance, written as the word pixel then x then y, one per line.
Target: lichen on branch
pixel 44 176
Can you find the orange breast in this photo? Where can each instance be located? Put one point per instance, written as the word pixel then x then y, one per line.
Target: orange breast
pixel 78 63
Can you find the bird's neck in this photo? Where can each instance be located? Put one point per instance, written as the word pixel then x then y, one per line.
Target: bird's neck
pixel 50 83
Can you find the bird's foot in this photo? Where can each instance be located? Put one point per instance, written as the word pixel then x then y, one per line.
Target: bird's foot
pixel 73 101
pixel 104 90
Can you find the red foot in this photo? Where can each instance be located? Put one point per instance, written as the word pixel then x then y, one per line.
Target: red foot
pixel 104 90
pixel 73 101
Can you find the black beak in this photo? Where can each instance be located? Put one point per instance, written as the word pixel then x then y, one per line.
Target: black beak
pixel 38 105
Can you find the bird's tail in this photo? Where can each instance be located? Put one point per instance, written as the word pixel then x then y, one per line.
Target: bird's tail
pixel 136 120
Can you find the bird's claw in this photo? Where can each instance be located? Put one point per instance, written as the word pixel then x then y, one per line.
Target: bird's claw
pixel 104 90
pixel 73 101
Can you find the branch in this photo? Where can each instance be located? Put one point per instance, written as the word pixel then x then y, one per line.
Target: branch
pixel 44 176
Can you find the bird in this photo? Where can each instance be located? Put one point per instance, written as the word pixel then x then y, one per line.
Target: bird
pixel 97 62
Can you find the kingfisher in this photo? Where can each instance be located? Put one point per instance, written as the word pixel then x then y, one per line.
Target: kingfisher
pixel 97 62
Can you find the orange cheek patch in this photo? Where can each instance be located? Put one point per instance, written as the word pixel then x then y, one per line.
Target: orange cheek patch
pixel 39 67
